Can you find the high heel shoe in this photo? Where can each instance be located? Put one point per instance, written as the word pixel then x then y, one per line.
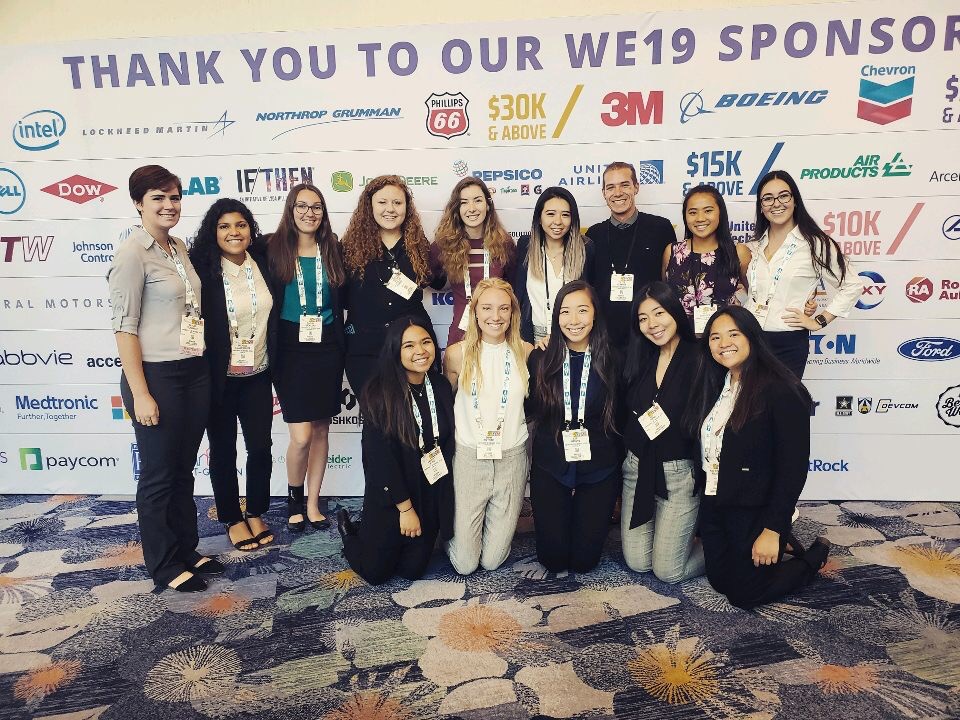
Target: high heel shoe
pixel 295 506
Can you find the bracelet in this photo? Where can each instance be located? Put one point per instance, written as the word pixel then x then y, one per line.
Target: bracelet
pixel 408 509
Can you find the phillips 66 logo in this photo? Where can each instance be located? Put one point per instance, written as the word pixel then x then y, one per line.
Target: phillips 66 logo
pixel 447 114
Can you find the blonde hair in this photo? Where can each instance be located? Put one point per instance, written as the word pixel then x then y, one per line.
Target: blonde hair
pixel 472 339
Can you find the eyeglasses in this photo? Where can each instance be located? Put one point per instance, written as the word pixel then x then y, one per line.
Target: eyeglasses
pixel 303 208
pixel 770 200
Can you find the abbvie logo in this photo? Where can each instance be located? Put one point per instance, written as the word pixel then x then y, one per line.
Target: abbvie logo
pixel 930 349
pixel 79 189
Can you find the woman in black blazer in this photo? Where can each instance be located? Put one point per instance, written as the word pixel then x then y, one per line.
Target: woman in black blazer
pixel 577 452
pixel 408 444
pixel 661 500
pixel 752 417
pixel 553 254
pixel 240 329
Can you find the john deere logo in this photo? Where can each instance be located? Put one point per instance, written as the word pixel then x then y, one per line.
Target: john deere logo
pixel 342 181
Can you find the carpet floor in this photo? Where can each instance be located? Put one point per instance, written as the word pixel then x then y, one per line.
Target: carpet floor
pixel 291 632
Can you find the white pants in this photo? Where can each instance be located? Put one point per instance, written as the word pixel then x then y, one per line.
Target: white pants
pixel 489 494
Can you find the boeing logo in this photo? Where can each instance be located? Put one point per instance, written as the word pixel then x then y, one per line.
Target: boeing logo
pixel 691 105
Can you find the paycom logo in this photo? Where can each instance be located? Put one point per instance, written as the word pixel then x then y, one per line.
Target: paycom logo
pixel 31 459
pixel 34 459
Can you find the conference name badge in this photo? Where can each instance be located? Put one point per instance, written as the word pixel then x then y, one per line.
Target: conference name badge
pixel 761 313
pixel 311 328
pixel 654 421
pixel 401 284
pixel 241 354
pixel 191 335
pixel 464 318
pixel 490 446
pixel 621 287
pixel 576 445
pixel 433 464
pixel 701 314
pixel 713 477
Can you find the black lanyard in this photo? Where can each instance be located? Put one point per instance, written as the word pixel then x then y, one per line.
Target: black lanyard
pixel 546 281
pixel 633 241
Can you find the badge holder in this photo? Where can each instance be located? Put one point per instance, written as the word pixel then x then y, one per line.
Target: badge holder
pixel 241 355
pixel 701 315
pixel 401 284
pixel 576 445
pixel 311 328
pixel 434 465
pixel 621 287
pixel 491 445
pixel 654 421
pixel 191 335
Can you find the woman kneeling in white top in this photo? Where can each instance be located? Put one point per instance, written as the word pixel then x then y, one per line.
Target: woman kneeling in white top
pixel 489 370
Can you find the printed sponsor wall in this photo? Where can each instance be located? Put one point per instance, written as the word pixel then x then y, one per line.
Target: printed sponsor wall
pixel 858 100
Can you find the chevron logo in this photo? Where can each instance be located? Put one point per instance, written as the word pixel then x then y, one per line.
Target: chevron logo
pixel 884 104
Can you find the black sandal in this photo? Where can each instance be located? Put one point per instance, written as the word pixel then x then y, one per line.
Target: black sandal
pixel 261 536
pixel 240 543
pixel 295 506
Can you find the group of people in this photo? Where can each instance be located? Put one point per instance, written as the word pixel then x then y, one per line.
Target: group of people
pixel 572 361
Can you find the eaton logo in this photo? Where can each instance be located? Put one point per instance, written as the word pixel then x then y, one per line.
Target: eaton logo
pixel 930 349
pixel 202 186
pixel 13 193
pixel 884 103
pixel 840 345
pixel 873 288
pixel 39 130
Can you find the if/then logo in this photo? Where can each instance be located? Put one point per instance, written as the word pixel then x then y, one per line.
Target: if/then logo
pixel 31 459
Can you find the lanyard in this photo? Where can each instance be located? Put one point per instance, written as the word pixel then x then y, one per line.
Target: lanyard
pixel 546 280
pixel 301 290
pixel 567 399
pixel 714 440
pixel 433 415
pixel 633 241
pixel 232 308
pixel 194 306
pixel 502 411
pixel 467 287
pixel 791 249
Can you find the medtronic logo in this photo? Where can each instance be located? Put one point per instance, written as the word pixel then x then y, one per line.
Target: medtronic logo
pixel 39 130
pixel 13 193
pixel 930 349
pixel 873 289
pixel 828 466
pixel 33 459
pixel 883 104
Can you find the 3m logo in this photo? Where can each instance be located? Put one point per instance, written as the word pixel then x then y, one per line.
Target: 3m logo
pixel 883 104
pixel 79 189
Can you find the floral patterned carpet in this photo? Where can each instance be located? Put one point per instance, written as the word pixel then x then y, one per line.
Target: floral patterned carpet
pixel 292 632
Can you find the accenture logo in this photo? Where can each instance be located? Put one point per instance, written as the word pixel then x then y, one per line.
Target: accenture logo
pixel 79 189
pixel 884 103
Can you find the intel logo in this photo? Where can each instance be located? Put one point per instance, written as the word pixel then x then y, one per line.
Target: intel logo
pixel 39 130
pixel 930 349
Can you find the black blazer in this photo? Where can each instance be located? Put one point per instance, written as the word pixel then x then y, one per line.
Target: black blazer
pixel 673 398
pixel 392 470
pixel 606 450
pixel 520 282
pixel 216 325
pixel 764 465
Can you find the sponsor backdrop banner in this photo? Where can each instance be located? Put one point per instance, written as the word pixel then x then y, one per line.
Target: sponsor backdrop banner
pixel 860 101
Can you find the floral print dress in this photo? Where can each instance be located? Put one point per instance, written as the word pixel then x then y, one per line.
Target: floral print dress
pixel 695 278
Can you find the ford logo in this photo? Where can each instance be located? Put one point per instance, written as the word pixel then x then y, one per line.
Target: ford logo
pixel 930 349
pixel 39 130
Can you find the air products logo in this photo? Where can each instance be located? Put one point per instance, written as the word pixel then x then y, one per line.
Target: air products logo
pixel 884 103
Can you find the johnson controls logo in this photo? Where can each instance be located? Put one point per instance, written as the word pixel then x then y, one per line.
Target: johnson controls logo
pixel 39 130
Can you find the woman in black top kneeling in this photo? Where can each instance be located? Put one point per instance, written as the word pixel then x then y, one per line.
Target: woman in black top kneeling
pixel 408 444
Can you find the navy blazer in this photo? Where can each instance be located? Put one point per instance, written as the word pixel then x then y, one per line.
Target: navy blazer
pixel 216 324
pixel 520 282
pixel 764 464
pixel 392 470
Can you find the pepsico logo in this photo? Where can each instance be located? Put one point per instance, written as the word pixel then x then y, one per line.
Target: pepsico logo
pixel 447 114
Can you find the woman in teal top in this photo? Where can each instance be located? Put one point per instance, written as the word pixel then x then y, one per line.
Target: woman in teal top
pixel 308 374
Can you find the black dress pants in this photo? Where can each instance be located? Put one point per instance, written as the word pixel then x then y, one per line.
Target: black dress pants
pixel 791 347
pixel 728 534
pixel 250 400
pixel 166 511
pixel 572 525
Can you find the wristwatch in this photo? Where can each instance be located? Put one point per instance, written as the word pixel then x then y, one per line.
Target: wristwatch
pixel 821 320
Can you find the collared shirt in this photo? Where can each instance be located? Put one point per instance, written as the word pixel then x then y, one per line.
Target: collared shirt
pixel 626 223
pixel 537 294
pixel 715 423
pixel 147 296
pixel 797 282
pixel 237 277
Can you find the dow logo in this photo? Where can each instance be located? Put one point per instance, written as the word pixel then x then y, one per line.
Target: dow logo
pixel 873 288
pixel 79 189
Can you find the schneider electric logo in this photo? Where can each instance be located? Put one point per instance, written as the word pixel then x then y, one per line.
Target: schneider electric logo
pixel 33 459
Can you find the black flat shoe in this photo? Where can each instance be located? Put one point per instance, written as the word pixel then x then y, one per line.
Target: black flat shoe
pixel 817 553
pixel 192 584
pixel 345 526
pixel 295 506
pixel 319 524
pixel 211 567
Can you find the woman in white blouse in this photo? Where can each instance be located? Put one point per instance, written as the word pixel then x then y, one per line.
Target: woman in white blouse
pixel 790 257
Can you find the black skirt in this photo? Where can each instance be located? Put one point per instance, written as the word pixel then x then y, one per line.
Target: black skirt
pixel 308 377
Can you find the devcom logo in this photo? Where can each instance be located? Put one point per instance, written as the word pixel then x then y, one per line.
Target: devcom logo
pixel 39 130
pixel 919 289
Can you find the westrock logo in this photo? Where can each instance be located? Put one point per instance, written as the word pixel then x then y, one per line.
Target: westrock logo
pixel 884 103
pixel 930 349
pixel 39 130
pixel 447 114
pixel 79 189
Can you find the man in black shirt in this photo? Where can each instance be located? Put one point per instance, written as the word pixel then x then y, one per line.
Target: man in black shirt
pixel 629 249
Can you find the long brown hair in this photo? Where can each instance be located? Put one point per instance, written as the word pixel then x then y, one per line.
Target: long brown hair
pixel 574 245
pixel 282 245
pixel 361 241
pixel 472 339
pixel 451 236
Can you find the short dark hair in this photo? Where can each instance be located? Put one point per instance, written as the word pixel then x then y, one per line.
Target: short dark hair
pixel 619 165
pixel 152 177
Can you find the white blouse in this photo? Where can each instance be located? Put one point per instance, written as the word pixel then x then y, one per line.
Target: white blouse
pixel 488 397
pixel 797 281
pixel 537 293
pixel 237 277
